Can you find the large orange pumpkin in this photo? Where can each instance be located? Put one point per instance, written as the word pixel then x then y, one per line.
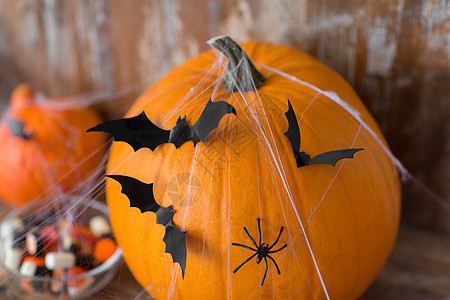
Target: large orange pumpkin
pixel 43 149
pixel 340 222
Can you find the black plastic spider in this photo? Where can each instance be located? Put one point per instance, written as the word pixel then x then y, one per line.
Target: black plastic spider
pixel 263 250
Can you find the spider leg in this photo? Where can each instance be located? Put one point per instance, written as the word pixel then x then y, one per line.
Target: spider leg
pixel 275 251
pixel 276 241
pixel 250 237
pixel 258 220
pixel 238 267
pixel 265 271
pixel 243 246
pixel 278 269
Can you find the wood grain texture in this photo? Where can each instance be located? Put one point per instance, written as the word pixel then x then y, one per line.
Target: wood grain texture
pixel 415 271
pixel 418 269
pixel 395 53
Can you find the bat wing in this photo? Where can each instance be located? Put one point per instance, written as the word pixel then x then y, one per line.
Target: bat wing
pixel 138 132
pixel 209 120
pixel 293 133
pixel 332 157
pixel 139 193
pixel 175 241
pixel 303 159
pixel 141 196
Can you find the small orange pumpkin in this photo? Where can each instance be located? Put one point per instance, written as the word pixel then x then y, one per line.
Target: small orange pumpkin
pixel 43 150
pixel 339 222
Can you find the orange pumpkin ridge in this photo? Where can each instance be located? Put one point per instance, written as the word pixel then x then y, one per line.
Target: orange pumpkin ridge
pixel 340 222
pixel 47 152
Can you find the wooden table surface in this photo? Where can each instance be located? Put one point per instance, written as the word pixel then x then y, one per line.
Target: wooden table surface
pixel 395 53
pixel 418 269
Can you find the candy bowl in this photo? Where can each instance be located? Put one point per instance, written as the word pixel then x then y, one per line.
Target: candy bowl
pixel 59 249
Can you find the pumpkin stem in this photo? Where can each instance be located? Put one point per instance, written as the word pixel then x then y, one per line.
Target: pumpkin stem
pixel 17 129
pixel 23 95
pixel 242 74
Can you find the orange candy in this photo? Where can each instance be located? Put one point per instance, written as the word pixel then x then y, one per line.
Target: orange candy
pixel 26 284
pixel 104 249
pixel 37 260
pixel 75 271
pixel 50 236
pixel 84 236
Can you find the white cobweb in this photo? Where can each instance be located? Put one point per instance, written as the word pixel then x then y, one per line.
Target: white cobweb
pixel 93 188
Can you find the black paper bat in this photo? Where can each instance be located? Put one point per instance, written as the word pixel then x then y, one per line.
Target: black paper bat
pixel 141 196
pixel 140 132
pixel 303 159
pixel 17 127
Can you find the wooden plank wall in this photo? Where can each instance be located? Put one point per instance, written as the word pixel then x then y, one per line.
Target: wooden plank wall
pixel 395 53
